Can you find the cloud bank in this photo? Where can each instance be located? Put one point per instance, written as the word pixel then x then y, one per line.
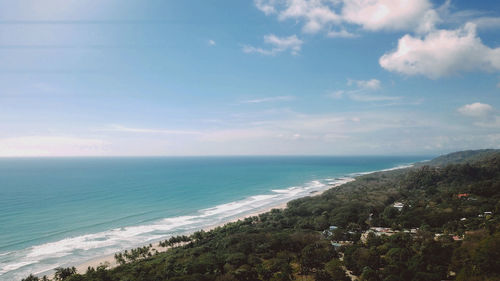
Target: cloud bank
pixel 372 15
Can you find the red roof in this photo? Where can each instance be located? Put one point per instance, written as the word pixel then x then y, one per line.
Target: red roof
pixel 463 195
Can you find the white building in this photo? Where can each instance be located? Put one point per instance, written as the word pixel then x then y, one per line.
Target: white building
pixel 398 205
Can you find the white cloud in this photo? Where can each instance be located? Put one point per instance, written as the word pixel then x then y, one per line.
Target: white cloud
pixel 291 43
pixel 430 52
pixel 373 15
pixel 476 109
pixel 388 14
pixel 269 99
pixel 372 84
pixel 266 6
pixel 278 45
pixel 428 22
pixel 362 96
pixel 211 42
pixel 337 94
pixel 441 53
pixel 341 34
pixel 481 18
pixel 317 14
pixel 363 92
pixel 51 146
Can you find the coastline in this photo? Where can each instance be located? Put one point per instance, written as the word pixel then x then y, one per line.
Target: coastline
pixel 110 262
pixel 252 206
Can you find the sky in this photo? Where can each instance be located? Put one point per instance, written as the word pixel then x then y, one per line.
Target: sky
pixel 248 77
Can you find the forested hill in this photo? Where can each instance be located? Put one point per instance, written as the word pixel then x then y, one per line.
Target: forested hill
pixel 424 223
pixel 462 157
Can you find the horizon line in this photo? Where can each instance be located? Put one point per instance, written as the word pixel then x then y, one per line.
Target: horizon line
pixel 221 155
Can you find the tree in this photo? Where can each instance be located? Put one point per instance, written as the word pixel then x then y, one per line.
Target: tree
pixel 313 256
pixel 335 270
pixel 63 273
pixel 487 256
pixel 245 273
pixel 31 277
pixel 389 214
pixel 322 275
pixel 369 275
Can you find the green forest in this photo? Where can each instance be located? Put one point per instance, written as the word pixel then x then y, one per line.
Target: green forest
pixel 435 221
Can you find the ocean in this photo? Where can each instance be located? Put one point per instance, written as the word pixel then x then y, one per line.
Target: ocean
pixel 65 211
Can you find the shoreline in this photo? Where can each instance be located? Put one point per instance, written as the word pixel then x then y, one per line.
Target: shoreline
pixel 110 262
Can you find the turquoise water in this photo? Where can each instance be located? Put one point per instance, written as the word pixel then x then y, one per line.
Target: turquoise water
pixel 64 211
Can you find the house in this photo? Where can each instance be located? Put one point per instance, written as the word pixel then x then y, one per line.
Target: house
pixel 338 244
pixel 414 230
pixel 379 231
pixel 398 205
pixel 463 195
pixel 329 232
pixel 487 215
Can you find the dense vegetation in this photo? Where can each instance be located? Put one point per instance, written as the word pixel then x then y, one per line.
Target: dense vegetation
pixel 454 207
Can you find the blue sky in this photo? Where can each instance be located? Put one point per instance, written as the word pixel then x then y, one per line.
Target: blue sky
pixel 322 77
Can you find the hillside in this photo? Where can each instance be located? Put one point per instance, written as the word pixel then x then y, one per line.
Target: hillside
pixel 462 157
pixel 432 222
